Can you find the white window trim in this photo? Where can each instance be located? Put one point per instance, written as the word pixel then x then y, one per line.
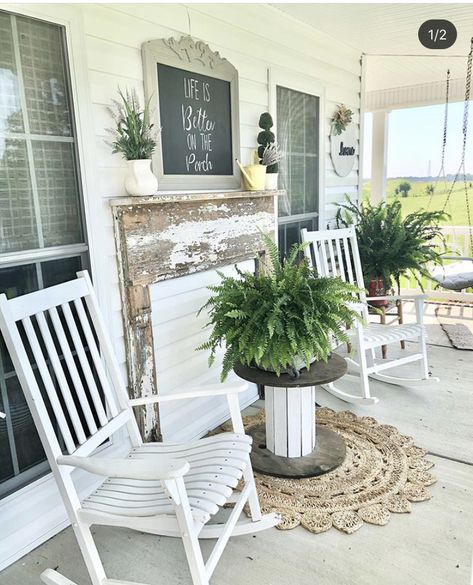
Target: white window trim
pixel 312 86
pixel 18 539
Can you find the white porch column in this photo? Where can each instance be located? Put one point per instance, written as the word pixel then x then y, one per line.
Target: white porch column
pixel 379 157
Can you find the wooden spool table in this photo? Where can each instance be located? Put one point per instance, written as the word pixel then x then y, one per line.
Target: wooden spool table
pixel 289 443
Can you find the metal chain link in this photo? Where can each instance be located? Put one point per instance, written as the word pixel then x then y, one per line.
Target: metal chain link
pixel 441 172
pixel 461 168
pixel 465 135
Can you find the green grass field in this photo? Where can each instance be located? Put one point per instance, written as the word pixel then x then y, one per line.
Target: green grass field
pixel 418 199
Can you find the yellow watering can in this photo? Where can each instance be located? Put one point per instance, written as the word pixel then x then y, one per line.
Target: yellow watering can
pixel 253 176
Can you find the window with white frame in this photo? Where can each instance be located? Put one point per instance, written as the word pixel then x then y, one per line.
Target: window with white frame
pixel 42 232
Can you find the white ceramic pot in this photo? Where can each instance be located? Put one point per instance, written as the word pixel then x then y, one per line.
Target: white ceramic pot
pixel 271 181
pixel 140 180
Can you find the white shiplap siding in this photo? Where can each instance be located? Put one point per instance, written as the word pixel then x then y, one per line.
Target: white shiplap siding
pixel 177 331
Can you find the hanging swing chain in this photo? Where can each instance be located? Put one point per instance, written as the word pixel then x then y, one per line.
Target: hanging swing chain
pixel 445 124
pixel 441 172
pixel 465 136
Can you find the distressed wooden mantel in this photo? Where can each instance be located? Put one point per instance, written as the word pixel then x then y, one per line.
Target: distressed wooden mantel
pixel 171 235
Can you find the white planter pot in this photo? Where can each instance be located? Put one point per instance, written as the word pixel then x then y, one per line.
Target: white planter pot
pixel 271 181
pixel 140 181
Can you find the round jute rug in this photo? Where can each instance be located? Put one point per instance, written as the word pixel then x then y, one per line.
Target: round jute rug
pixel 383 473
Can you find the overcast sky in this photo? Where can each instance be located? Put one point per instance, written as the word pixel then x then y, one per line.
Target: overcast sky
pixel 415 138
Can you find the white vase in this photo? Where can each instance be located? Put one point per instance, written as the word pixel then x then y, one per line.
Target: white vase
pixel 271 182
pixel 140 180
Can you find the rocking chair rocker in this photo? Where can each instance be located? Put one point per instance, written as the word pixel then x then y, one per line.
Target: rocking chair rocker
pixel 334 253
pixel 159 488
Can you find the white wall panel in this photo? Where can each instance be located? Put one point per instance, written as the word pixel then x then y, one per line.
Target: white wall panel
pixel 177 331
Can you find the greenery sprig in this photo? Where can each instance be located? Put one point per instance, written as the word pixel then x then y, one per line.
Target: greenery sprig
pixel 279 319
pixel 392 246
pixel 134 135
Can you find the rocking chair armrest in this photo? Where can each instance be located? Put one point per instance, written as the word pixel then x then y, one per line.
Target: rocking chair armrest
pixel 165 468
pixel 195 392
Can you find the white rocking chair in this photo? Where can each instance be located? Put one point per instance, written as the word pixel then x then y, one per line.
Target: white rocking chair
pixel 159 488
pixel 335 253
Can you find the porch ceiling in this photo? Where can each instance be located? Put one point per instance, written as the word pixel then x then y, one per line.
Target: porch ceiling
pixel 387 32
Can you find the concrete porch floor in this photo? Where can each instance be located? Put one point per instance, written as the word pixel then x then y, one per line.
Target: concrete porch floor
pixel 431 546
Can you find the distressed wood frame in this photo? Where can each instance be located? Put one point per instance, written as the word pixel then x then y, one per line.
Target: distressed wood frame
pixel 197 57
pixel 164 237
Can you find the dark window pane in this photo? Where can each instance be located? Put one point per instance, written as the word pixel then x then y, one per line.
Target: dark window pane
pixel 28 446
pixel 62 270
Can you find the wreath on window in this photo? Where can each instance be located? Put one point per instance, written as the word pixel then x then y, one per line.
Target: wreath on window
pixel 341 118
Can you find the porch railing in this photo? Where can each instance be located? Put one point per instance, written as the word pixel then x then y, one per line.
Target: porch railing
pixel 457 240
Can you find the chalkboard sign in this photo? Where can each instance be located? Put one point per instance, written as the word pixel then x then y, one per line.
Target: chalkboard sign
pixel 196 123
pixel 194 99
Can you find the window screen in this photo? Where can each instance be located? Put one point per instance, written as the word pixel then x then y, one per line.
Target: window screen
pixel 298 137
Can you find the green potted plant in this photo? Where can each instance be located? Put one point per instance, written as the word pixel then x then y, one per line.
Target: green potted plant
pixel 134 136
pixel 278 320
pixel 268 150
pixel 392 246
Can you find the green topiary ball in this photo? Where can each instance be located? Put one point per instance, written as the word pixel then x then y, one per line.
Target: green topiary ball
pixel 265 121
pixel 266 137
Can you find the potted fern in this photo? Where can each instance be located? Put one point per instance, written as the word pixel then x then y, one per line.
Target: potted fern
pixel 390 245
pixel 280 320
pixel 135 138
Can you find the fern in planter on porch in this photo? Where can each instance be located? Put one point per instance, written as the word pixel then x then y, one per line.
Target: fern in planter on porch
pixel 280 320
pixel 392 246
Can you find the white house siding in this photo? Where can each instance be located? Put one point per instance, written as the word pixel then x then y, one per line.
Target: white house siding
pixel 107 54
pixel 177 332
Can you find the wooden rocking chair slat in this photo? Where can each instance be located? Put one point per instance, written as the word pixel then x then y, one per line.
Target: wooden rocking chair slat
pixel 222 441
pixel 166 489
